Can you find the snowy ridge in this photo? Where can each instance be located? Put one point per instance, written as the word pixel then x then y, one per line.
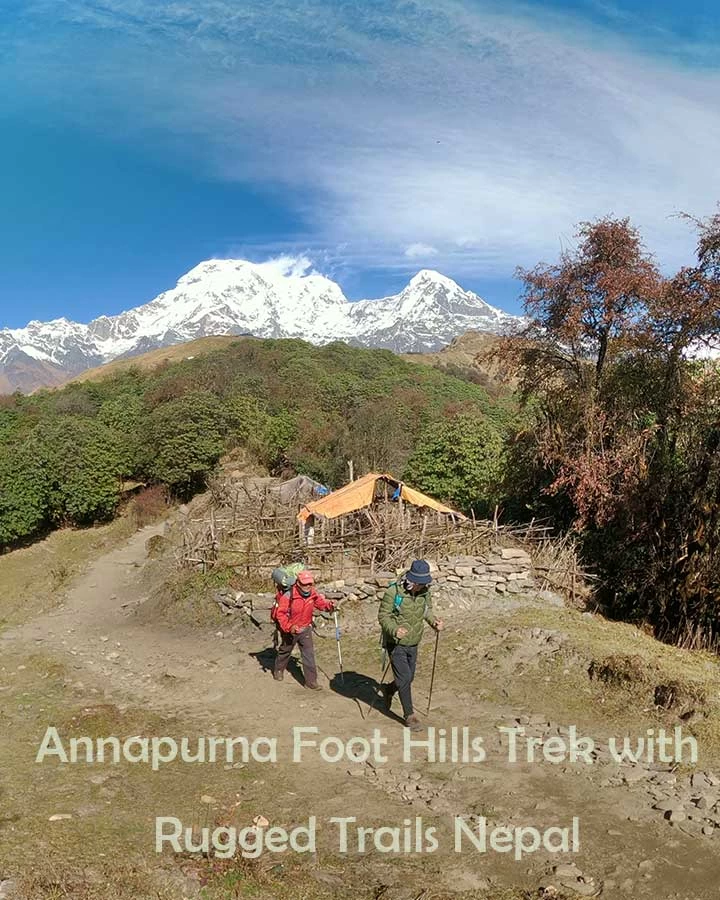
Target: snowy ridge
pixel 227 296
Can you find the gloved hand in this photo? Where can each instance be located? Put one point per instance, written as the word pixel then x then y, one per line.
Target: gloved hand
pixel 296 629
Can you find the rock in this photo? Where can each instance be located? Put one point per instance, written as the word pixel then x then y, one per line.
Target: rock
pixel 329 879
pixel 7 887
pixel 708 830
pixel 699 781
pixel 567 870
pixel 59 817
pixel 206 798
pixel 550 598
pixel 632 776
pixel 693 829
pixel 464 571
pixel 260 822
pixel 584 888
pixel 453 561
pixel 514 553
pixel 571 877
pixel 500 588
pixel 676 815
pixel 664 778
pixel 668 805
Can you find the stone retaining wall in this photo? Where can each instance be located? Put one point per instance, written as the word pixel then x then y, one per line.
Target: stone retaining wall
pixel 505 576
pixel 461 579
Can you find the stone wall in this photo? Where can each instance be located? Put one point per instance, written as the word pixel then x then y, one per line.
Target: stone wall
pixel 457 580
pixel 500 577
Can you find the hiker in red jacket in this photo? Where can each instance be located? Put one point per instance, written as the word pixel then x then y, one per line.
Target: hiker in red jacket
pixel 294 618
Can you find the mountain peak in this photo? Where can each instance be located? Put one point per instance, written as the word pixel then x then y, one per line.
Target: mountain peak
pixel 281 298
pixel 431 276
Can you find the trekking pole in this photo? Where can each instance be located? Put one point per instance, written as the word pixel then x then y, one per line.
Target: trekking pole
pixel 337 638
pixel 432 676
pixel 382 679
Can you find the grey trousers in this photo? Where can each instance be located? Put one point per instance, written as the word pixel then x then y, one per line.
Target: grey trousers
pixel 304 640
pixel 403 661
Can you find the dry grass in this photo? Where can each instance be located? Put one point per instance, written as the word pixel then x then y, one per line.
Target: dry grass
pixel 33 579
pixel 162 356
pixel 615 672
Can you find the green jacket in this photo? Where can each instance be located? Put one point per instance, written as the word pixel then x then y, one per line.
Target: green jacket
pixel 414 611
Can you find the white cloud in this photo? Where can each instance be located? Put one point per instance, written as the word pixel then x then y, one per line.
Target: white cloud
pixel 420 251
pixel 471 131
pixel 287 265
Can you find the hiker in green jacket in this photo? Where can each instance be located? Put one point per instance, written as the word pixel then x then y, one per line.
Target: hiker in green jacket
pixel 404 609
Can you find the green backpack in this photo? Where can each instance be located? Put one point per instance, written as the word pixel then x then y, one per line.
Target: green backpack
pixel 284 577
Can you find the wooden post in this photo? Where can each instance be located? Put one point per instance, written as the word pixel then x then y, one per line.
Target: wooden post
pixel 351 469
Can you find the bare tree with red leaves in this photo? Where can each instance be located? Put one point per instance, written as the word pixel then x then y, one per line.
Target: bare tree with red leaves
pixel 624 420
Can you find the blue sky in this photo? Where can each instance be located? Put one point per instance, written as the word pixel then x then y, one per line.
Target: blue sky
pixel 373 137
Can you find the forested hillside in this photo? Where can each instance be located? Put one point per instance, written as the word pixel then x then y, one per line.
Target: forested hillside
pixel 64 454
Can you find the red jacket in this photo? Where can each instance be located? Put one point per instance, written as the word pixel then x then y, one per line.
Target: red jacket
pixel 294 609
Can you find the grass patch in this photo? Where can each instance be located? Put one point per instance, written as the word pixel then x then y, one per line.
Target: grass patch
pixel 635 680
pixel 33 579
pixel 186 598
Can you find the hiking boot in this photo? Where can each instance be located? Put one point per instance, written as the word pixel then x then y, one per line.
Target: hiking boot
pixel 278 676
pixel 314 687
pixel 413 723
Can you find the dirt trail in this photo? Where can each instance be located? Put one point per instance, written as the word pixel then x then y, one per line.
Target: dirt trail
pixel 172 667
pixel 217 682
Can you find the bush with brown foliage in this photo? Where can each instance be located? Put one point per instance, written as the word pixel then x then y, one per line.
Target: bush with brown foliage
pixel 624 429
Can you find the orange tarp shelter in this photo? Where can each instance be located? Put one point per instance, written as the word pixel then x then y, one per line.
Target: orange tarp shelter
pixel 360 494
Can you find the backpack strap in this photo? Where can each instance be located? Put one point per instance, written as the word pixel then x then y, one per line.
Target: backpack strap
pixel 397 603
pixel 399 599
pixel 276 604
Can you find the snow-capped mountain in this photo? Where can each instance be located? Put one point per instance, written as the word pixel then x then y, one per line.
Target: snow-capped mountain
pixel 261 299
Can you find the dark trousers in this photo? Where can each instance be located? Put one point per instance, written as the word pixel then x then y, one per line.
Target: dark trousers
pixel 304 640
pixel 403 661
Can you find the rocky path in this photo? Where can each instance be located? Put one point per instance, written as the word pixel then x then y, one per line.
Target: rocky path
pixel 628 849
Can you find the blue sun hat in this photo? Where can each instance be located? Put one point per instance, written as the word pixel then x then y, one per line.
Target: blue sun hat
pixel 419 572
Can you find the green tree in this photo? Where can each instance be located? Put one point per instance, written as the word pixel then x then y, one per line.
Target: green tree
pixel 82 468
pixel 460 460
pixel 123 415
pixel 183 440
pixel 23 494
